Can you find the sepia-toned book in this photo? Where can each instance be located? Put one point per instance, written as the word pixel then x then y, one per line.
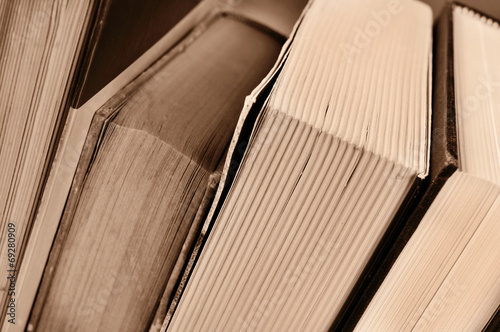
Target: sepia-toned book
pixel 334 160
pixel 447 277
pixel 40 44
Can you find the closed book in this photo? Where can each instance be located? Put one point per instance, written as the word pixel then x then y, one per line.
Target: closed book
pixel 41 43
pixel 445 276
pixel 299 215
pixel 144 178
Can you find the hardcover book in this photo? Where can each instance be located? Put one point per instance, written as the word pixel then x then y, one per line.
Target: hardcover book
pixel 334 158
pixel 40 44
pixel 148 167
pixel 446 277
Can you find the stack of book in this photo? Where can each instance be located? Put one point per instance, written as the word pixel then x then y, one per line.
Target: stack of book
pixel 250 165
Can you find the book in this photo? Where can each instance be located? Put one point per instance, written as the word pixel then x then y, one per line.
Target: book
pixel 331 162
pixel 149 163
pixel 40 46
pixel 445 278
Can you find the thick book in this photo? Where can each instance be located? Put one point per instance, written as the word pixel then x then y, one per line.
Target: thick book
pixel 147 170
pixel 328 165
pixel 446 275
pixel 40 47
